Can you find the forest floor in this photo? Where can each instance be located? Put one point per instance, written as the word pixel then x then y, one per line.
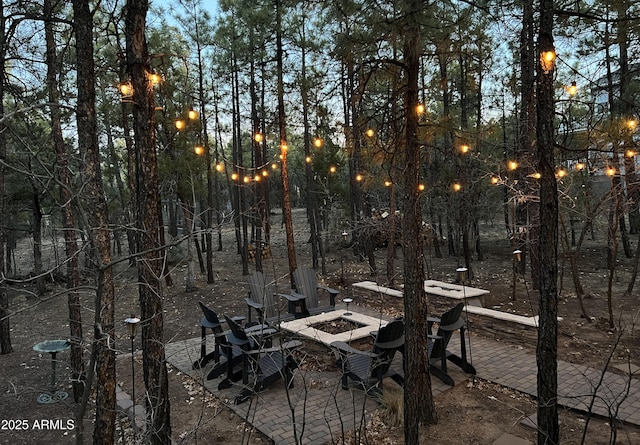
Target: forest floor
pixel 468 413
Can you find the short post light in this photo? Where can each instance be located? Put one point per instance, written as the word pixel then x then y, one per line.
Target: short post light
pixel 517 258
pixel 132 325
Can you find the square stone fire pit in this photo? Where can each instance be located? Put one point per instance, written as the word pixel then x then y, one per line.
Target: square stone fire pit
pixel 307 327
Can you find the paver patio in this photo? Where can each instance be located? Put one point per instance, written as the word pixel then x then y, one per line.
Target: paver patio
pixel 323 410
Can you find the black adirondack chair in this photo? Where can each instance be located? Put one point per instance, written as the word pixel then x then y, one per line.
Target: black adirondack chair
pixel 263 362
pixel 307 285
pixel 209 320
pixel 221 348
pixel 369 368
pixel 263 300
pixel 448 323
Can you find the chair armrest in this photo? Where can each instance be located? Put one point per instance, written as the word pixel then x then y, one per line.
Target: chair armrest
pixel 258 328
pixel 329 289
pixel 344 349
pixel 254 304
pixel 453 326
pixel 332 294
pixel 287 346
pixel 294 296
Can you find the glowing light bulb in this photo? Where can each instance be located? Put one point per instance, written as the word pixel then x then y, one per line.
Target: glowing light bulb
pixel 198 149
pixel 180 124
pixel 126 89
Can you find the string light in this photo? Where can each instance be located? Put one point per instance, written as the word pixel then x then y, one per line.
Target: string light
pixel 421 187
pixel 198 149
pixel 192 114
pixel 512 165
pixel 547 60
pixel 126 89
pixel 420 108
pixel 464 148
pixel 456 187
pixel 358 177
pixel 180 124
pixel 154 78
pixel 317 142
pixel 332 169
pixel 580 166
pixel 370 132
pixel 258 137
pixel 495 180
pixel 219 167
pixel 308 159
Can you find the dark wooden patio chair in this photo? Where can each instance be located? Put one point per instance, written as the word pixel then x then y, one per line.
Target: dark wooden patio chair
pixel 369 368
pixel 211 321
pixel 307 285
pixel 263 362
pixel 448 323
pixel 263 300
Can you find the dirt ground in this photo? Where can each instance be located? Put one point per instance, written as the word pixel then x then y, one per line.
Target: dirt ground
pixel 471 413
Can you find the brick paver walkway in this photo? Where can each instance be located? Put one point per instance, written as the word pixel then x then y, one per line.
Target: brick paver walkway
pixel 317 409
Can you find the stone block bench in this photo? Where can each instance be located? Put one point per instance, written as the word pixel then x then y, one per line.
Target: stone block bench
pixel 369 287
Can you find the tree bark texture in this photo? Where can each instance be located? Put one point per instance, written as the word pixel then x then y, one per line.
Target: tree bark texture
pixel 418 400
pixel 150 261
pixel 66 208
pixel 547 347
pixel 98 223
pixel 5 330
pixel 282 123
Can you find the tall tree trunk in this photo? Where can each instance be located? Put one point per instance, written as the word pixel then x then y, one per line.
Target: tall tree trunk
pixel 67 205
pixel 418 399
pixel 37 235
pixel 547 347
pixel 282 124
pixel 98 224
pixel 311 186
pixel 5 330
pixel 148 224
pixel 525 144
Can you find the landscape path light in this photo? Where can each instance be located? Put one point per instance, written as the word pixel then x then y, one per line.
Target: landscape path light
pixel 132 325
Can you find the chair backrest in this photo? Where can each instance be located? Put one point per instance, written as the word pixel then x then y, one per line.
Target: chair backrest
pixel 307 285
pixel 262 292
pixel 211 317
pixel 448 318
pixel 238 335
pixel 390 339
